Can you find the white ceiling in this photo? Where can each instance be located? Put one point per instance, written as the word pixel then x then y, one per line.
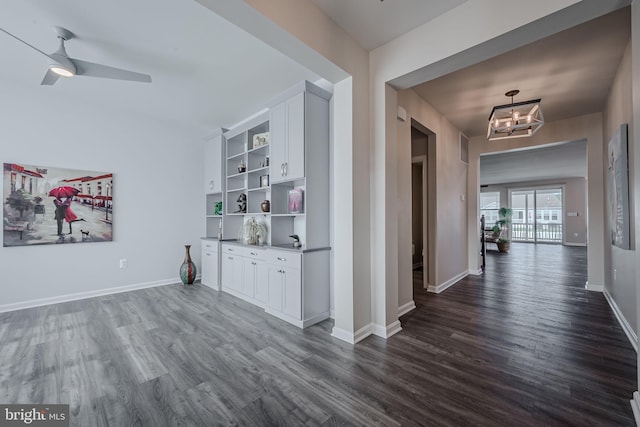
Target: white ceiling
pixel 373 23
pixel 206 72
pixel 572 71
pixel 567 160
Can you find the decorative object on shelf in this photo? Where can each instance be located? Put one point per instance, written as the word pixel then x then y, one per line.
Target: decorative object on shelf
pixel 264 180
pixel 515 120
pixel 253 231
pixel 296 241
pixel 265 206
pixel 295 198
pixel 188 268
pixel 261 139
pixel 266 160
pixel 217 210
pixel 242 203
pixel 242 166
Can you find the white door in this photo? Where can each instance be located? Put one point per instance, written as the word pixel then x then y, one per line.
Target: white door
pixel 275 288
pixel 294 167
pixel 213 166
pixel 292 293
pixel 278 129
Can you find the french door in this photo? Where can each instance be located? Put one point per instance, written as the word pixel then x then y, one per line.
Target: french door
pixel 537 215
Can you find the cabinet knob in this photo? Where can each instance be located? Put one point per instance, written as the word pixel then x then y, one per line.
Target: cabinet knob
pixel 230 257
pixel 208 254
pixel 286 168
pixel 211 185
pixel 282 169
pixel 253 253
pixel 254 263
pixel 281 259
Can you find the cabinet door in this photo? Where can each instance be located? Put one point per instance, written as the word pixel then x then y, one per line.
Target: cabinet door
pixel 262 281
pixel 278 129
pixel 209 275
pixel 248 276
pixel 292 293
pixel 231 272
pixel 213 166
pixel 294 166
pixel 275 288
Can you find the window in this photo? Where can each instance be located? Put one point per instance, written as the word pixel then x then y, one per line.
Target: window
pixel 554 215
pixel 489 206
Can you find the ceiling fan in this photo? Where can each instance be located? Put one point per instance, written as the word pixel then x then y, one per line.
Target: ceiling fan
pixel 64 66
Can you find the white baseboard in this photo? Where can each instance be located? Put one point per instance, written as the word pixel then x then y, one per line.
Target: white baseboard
pixel 84 295
pixel 635 407
pixel 477 272
pixel 595 288
pixel 628 330
pixel 443 286
pixel 582 245
pixel 405 308
pixel 352 338
pixel 387 331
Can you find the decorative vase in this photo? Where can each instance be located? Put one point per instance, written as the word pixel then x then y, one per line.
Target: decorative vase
pixel 188 268
pixel 265 206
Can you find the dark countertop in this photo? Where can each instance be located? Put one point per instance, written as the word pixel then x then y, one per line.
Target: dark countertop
pixel 286 247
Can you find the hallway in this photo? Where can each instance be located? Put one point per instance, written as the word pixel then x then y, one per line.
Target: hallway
pixel 541 349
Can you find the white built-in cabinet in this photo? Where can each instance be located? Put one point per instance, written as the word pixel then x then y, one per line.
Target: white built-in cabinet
pixel 288 139
pixel 289 283
pixel 210 271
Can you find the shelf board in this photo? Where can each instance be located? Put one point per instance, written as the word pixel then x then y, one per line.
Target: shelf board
pixel 213 193
pixel 266 168
pixel 259 213
pixel 260 189
pixel 235 175
pixel 286 215
pixel 235 156
pixel 214 216
pixel 262 147
pixel 236 213
pixel 236 190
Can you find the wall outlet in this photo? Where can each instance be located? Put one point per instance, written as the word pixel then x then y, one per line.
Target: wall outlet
pixel 124 263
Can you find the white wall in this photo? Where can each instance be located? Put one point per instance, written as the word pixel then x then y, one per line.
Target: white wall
pixel 451 183
pixel 621 285
pixel 159 207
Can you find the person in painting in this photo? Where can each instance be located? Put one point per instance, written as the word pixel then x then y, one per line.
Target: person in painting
pixel 60 213
pixel 64 213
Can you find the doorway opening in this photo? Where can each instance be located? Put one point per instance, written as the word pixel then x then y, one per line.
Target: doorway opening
pixel 537 215
pixel 423 199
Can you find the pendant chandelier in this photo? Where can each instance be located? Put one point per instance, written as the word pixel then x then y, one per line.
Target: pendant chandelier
pixel 515 120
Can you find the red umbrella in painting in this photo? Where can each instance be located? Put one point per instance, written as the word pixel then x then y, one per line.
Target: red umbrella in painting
pixel 63 192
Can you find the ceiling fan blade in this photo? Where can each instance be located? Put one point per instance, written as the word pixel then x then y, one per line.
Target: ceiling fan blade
pixel 50 78
pixel 89 69
pixel 22 41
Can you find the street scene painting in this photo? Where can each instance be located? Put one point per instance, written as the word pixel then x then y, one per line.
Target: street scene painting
pixel 46 205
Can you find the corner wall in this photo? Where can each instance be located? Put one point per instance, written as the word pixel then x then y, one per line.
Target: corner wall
pixel 451 189
pixel 158 203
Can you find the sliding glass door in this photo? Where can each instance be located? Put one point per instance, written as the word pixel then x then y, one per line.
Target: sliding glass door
pixel 537 215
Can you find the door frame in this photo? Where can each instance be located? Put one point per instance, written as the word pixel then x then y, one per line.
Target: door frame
pixel 534 188
pixel 422 160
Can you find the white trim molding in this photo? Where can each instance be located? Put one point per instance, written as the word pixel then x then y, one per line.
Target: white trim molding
pixel 443 286
pixel 635 407
pixel 594 288
pixel 352 338
pixel 628 330
pixel 477 272
pixel 582 245
pixel 387 331
pixel 84 295
pixel 405 308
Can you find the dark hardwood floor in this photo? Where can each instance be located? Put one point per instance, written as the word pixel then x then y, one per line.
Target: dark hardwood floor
pixel 523 345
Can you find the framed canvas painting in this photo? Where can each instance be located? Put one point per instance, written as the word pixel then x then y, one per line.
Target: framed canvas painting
pixel 618 188
pixel 46 205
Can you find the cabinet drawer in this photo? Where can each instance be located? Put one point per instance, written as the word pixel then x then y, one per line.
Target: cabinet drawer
pixel 232 249
pixel 284 258
pixel 253 252
pixel 209 246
